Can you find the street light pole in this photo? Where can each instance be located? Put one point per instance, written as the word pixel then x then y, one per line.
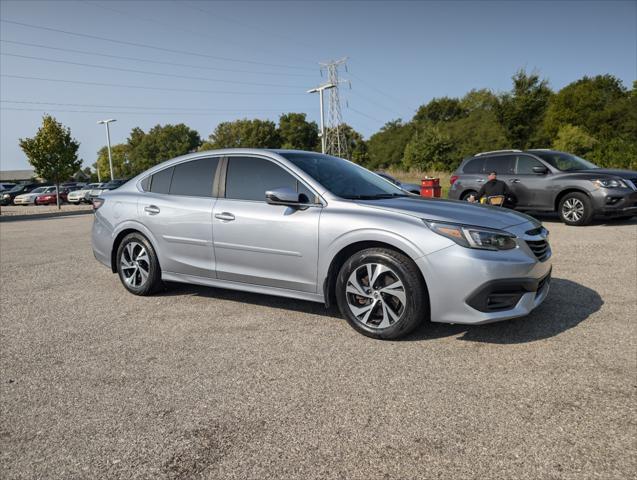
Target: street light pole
pixel 320 91
pixel 108 143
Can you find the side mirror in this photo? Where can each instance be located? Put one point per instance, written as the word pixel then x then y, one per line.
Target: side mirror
pixel 284 196
pixel 540 170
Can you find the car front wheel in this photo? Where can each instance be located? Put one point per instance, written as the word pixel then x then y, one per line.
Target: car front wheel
pixel 576 209
pixel 137 265
pixel 381 293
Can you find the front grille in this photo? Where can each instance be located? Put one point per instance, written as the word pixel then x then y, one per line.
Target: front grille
pixel 540 249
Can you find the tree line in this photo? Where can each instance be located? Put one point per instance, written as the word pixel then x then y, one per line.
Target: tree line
pixel 593 117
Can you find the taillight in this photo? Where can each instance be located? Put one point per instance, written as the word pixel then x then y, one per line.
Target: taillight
pixel 453 179
pixel 97 203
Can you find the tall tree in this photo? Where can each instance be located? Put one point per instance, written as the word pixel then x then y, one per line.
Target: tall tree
pixel 52 152
pixel 122 166
pixel 521 110
pixel 386 146
pixel 441 109
pixel 297 133
pixel 162 142
pixel 429 149
pixel 244 133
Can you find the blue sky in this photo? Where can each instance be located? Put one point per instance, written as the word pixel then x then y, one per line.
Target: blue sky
pixel 256 59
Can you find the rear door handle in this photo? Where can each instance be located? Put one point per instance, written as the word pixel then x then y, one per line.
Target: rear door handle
pixel 151 209
pixel 515 180
pixel 225 216
pixel 480 180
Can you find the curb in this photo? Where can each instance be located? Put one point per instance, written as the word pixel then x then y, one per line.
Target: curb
pixel 42 216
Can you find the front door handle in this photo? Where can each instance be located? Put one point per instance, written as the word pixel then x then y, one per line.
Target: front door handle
pixel 480 180
pixel 225 216
pixel 151 209
pixel 515 180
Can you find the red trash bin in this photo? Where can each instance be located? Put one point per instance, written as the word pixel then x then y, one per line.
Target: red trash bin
pixel 430 187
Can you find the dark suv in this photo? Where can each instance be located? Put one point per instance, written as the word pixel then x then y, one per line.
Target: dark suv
pixel 551 181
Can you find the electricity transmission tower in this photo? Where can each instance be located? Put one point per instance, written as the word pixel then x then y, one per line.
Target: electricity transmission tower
pixel 335 141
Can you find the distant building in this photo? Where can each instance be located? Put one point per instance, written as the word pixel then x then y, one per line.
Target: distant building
pixel 16 175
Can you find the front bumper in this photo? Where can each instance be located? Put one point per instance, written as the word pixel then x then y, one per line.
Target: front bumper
pixel 23 201
pixel 471 286
pixel 614 201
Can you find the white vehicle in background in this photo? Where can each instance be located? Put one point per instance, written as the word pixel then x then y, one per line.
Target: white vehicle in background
pixel 29 198
pixel 83 194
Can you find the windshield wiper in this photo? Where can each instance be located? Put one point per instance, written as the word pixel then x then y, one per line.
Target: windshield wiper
pixel 378 196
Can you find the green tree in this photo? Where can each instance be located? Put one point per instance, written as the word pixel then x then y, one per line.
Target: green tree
pixel 520 111
pixel 297 133
pixel 162 142
pixel 244 133
pixel 618 152
pixel 386 146
pixel 429 149
pixel 122 166
pixel 52 152
pixel 474 100
pixel 574 139
pixel 440 110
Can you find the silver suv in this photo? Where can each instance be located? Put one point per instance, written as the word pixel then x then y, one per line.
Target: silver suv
pixel 319 228
pixel 551 181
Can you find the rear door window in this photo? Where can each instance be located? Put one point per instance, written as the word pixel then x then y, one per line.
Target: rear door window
pixel 160 182
pixel 475 165
pixel 502 164
pixel 194 178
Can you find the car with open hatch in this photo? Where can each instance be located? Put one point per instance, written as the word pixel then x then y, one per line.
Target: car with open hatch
pixel 315 227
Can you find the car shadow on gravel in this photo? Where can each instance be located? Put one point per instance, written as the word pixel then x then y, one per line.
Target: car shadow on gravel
pixel 567 305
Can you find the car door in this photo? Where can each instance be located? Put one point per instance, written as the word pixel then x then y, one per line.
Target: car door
pixel 472 177
pixel 177 208
pixel 503 165
pixel 528 185
pixel 259 243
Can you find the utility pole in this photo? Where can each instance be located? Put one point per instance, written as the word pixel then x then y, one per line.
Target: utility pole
pixel 335 141
pixel 108 143
pixel 320 89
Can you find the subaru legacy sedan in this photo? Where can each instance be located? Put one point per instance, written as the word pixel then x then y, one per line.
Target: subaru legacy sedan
pixel 315 227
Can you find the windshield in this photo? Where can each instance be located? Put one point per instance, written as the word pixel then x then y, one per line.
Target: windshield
pixel 565 161
pixel 17 188
pixel 344 179
pixel 39 190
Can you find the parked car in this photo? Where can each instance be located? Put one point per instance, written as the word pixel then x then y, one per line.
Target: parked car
pixel 6 198
pixel 50 198
pixel 409 187
pixel 6 186
pixel 552 181
pixel 112 185
pixel 83 194
pixel 29 198
pixel 314 227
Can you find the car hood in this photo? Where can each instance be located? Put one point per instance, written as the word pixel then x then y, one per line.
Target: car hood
pixel 452 211
pixel 609 171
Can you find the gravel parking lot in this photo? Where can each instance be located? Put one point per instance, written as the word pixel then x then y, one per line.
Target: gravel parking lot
pixel 206 383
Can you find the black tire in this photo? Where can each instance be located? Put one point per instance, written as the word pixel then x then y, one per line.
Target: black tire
pixel 153 282
pixel 412 313
pixel 467 194
pixel 575 209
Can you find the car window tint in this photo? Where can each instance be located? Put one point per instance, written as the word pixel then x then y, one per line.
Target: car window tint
pixel 248 178
pixel 160 183
pixel 502 164
pixel 474 166
pixel 194 178
pixel 145 184
pixel 525 165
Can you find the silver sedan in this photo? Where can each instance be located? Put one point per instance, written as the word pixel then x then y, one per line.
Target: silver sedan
pixel 319 228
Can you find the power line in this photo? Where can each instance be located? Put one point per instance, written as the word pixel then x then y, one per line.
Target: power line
pixel 374 102
pixel 138 107
pixel 138 59
pixel 146 72
pixel 364 114
pixel 143 87
pixel 152 47
pixel 117 112
pixel 377 90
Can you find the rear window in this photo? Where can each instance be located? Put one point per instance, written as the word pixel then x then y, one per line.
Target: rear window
pixel 475 165
pixel 160 182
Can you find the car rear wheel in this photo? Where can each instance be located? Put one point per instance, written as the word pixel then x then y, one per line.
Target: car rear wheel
pixel 575 209
pixel 466 195
pixel 137 265
pixel 381 294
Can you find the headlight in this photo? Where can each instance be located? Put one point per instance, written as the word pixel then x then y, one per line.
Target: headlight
pixel 6 195
pixel 474 237
pixel 609 183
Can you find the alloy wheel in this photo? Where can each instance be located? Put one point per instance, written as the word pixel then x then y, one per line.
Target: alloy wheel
pixel 573 209
pixel 376 296
pixel 135 264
